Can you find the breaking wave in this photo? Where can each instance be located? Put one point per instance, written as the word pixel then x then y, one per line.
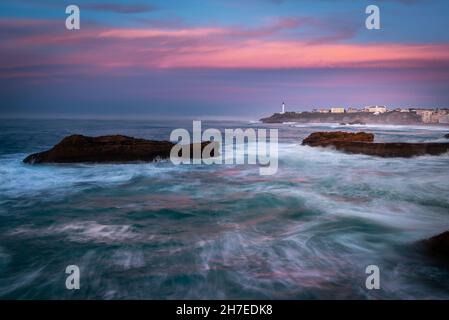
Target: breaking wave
pixel 223 231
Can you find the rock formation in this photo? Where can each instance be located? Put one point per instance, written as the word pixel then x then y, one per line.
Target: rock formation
pixel 326 138
pixel 438 246
pixel 104 149
pixel 361 143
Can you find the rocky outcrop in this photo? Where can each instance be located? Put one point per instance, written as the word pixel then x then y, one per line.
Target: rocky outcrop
pixel 105 149
pixel 326 138
pixel 446 136
pixel 404 150
pixel 361 143
pixel 438 246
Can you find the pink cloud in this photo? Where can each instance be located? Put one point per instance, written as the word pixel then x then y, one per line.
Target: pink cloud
pixel 297 54
pixel 153 33
pixel 111 49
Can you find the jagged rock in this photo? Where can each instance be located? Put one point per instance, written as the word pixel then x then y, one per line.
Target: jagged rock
pixel 105 149
pixel 361 143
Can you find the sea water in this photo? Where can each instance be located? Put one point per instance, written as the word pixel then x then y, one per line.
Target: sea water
pixel 160 231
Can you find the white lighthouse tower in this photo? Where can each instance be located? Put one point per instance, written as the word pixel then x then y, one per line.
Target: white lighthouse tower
pixel 283 108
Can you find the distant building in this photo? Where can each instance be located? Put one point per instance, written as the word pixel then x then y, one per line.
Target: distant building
pixel 375 109
pixel 444 119
pixel 425 114
pixel 321 110
pixel 352 110
pixel 433 115
pixel 337 110
pixel 440 116
pixel 283 108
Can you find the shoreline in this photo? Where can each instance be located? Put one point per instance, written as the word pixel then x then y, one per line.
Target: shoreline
pixel 366 118
pixel 444 127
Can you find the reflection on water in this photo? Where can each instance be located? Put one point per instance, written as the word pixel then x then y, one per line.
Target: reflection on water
pixel 163 231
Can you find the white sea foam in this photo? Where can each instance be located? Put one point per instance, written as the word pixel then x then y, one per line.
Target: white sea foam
pixel 128 259
pixel 56 180
pixel 83 231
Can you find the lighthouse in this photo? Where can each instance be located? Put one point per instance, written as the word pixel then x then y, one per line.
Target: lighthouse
pixel 283 108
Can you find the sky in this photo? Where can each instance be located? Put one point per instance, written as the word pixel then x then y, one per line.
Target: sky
pixel 219 58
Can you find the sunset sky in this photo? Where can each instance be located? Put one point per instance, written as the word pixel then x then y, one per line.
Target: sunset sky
pixel 219 58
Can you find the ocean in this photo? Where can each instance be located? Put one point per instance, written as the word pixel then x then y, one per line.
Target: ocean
pixel 160 231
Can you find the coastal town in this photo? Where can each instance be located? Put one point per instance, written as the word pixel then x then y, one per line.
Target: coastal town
pixel 425 115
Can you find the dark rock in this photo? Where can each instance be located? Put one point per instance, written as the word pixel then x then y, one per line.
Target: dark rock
pixel 327 138
pixel 404 150
pixel 438 246
pixel 104 149
pixel 446 136
pixel 361 143
pixel 357 122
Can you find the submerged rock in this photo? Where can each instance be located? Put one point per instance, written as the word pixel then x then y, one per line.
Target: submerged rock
pixel 357 122
pixel 361 143
pixel 105 149
pixel 438 246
